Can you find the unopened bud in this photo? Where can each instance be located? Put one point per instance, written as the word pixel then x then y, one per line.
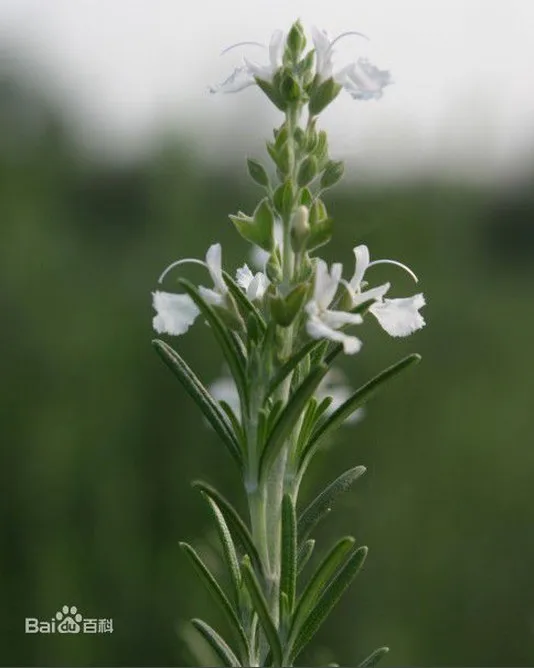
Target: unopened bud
pixel 300 228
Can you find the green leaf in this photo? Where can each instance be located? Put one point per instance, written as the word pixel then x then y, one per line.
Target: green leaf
pixel 218 645
pixel 374 657
pixel 291 365
pixel 228 546
pixel 322 503
pixel 243 302
pixel 259 229
pixel 201 396
pixel 288 574
pixel 304 554
pixel 241 532
pixel 308 421
pixel 318 584
pixel 360 397
pixel 264 222
pixel 257 172
pixel 219 595
pixel 260 605
pixel 340 582
pixel 232 353
pixel 289 416
pixel 236 425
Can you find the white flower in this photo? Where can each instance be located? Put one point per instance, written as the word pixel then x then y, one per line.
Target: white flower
pixel 246 74
pixel 398 317
pixel 216 296
pixel 254 285
pixel 177 312
pixel 323 322
pixel 362 80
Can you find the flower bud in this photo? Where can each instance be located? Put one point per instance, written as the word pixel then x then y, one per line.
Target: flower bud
pixel 296 41
pixel 283 198
pixel 300 229
pixel 323 95
pixel 333 173
pixel 307 171
pixel 289 88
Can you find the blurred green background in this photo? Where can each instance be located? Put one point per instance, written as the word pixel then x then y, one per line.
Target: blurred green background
pixel 100 443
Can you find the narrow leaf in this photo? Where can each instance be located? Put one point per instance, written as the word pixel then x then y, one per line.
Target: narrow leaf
pixel 322 503
pixel 261 607
pixel 289 416
pixel 219 595
pixel 288 575
pixel 291 365
pixel 374 657
pixel 342 580
pixel 360 397
pixel 318 584
pixel 236 425
pixel 304 554
pixel 241 532
pixel 231 352
pixel 201 396
pixel 228 546
pixel 218 645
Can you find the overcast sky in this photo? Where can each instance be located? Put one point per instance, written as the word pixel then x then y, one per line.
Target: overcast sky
pixel 463 94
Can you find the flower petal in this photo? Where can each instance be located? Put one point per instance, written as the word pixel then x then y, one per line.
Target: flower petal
pixel 400 317
pixel 337 319
pixel 244 277
pixel 212 297
pixel 240 78
pixel 323 61
pixel 175 313
pixel 214 264
pixel 363 259
pixel 374 293
pixel 276 50
pixel 363 80
pixel 258 286
pixel 317 329
pixel 326 283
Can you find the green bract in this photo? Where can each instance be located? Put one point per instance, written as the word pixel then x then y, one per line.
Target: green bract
pixel 280 331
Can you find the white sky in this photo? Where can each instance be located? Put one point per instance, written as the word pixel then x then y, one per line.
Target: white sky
pixel 463 96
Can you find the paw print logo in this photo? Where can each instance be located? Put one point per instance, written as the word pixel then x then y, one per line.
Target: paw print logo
pixel 69 619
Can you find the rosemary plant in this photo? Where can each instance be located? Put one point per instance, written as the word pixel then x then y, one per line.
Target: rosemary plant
pixel 280 331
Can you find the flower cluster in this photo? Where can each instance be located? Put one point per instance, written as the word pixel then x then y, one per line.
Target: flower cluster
pixel 280 327
pixel 361 79
pixel 175 313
